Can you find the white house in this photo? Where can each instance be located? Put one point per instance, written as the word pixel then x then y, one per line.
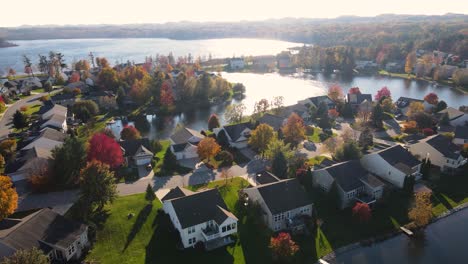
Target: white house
pixel 237 63
pixel 137 151
pixel 440 150
pixel 394 164
pixel 237 135
pixel 461 135
pixel 317 100
pixel 54 116
pixel 57 237
pixel 456 117
pixel 283 203
pixel 353 182
pixel 184 143
pixel 200 217
pixel 56 121
pixel 55 109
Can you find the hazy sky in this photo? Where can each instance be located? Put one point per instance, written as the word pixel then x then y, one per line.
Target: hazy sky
pixel 37 12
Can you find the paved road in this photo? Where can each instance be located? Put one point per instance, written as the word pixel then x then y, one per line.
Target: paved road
pixel 5 121
pixel 193 178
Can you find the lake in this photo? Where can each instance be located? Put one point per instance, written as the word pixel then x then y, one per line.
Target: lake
pixel 444 242
pixel 136 49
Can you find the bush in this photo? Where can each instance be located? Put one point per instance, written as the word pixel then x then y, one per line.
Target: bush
pixel 428 132
pixel 157 146
pixel 24 108
pixel 226 158
pixel 44 98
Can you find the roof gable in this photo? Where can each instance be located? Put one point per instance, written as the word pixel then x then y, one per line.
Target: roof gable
pixel 461 132
pixel 235 131
pixel 184 135
pixel 444 146
pixel 132 147
pixel 399 157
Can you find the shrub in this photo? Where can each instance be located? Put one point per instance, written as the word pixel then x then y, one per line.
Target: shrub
pixel 24 108
pixel 428 132
pixel 44 98
pixel 226 158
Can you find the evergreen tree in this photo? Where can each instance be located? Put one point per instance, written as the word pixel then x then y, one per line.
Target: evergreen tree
pixel 170 161
pixel 213 122
pixel 20 120
pixel 377 116
pixel 150 196
pixel 69 159
pixel 120 98
pixel 426 168
pixel 222 139
pixel 366 138
pixel 408 184
pixel 280 165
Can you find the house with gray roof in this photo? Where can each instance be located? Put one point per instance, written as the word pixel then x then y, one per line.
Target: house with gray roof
pixel 137 151
pixel 184 143
pixel 317 100
pixel 57 237
pixel 284 204
pixel 403 104
pixel 200 217
pixel 276 122
pixel 440 150
pixel 455 116
pixel 355 100
pixel 299 109
pixel 353 182
pixel 238 134
pixel 393 164
pixel 461 135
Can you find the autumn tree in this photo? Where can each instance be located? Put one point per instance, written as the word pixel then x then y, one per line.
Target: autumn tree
pixel 362 213
pixel 75 77
pixel 26 256
pixel 414 108
pixel 106 150
pixel 85 110
pixel 261 136
pixel 108 79
pixel 68 160
pixel 283 247
pixel 213 122
pixel 410 62
pixel 129 132
pixel 410 127
pixel 234 113
pixel 208 148
pixel 149 195
pixel 139 91
pixel 387 105
pixel 97 185
pixel 82 65
pixel 277 104
pixel 167 96
pixel 294 130
pixel 354 90
pixel 421 213
pixel 261 106
pixel 8 197
pixel 335 92
pixel 382 93
pixel 431 98
pixel 366 139
pixel 8 149
pixel 102 62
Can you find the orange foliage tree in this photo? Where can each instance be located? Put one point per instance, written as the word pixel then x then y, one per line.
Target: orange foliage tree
pixel 283 247
pixel 294 129
pixel 8 197
pixel 129 132
pixel 208 148
pixel 362 212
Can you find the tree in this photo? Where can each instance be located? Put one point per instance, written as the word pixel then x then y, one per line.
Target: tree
pixel 414 108
pixel 213 122
pixel 222 139
pixel 279 165
pixel 441 105
pixel 421 213
pixel 354 90
pixel 85 109
pixel 8 149
pixel 238 88
pixel 276 146
pixel 362 213
pixel 410 127
pixel 97 184
pixel 129 133
pixel 2 163
pixel 69 159
pixel 294 129
pixel 366 139
pixel 277 104
pixel 333 113
pixel 150 196
pixel 27 256
pixel 261 106
pixel 48 87
pixel 120 99
pixel 410 61
pixel 261 136
pixel 387 105
pixel 331 143
pixel 348 151
pixel 20 120
pixel 283 247
pixel 170 161
pixel 423 120
pixel 166 97
pixel 9 197
pixel 431 98
pixel 335 92
pixel 226 158
pixel 75 77
pixel 408 184
pixel 105 149
pixel 108 79
pixel 377 116
pixel 383 93
pixel 208 148
pixel 234 113
pixel 426 168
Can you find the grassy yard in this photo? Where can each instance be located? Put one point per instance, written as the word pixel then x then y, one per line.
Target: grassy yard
pixel 31 110
pixel 97 124
pixel 315 135
pixel 159 160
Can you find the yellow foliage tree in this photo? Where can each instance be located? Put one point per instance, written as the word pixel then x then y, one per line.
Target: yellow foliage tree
pixel 261 137
pixel 8 197
pixel 207 148
pixel 414 108
pixel 421 213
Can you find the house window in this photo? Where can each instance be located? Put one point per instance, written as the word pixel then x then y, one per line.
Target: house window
pixel 389 173
pixel 448 161
pixel 228 227
pixel 192 240
pixel 191 230
pixel 223 228
pixel 233 225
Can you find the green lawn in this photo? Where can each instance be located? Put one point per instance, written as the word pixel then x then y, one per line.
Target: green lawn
pixel 316 160
pixel 159 160
pixel 315 136
pixel 97 124
pixel 33 109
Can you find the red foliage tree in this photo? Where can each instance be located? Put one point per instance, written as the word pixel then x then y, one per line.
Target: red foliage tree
pixel 105 149
pixel 431 98
pixel 384 92
pixel 129 132
pixel 354 90
pixel 75 77
pixel 333 113
pixel 167 97
pixel 428 131
pixel 362 212
pixel 283 247
pixel 335 93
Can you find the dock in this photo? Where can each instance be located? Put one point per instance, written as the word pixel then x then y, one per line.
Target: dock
pixel 406 231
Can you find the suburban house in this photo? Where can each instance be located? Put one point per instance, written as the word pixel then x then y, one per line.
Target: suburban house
pixel 355 100
pixel 58 237
pixel 393 164
pixel 276 122
pixel 456 117
pixel 48 138
pixel 315 101
pixel 283 203
pixel 403 104
pixel 65 99
pixel 353 182
pixel 54 116
pixel 200 217
pixel 299 109
pixel 137 151
pixel 184 143
pixel 83 87
pixel 440 150
pixel 461 135
pixel 237 63
pixel 238 134
pixel 284 61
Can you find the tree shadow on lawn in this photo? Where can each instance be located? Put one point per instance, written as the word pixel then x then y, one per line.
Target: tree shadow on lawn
pixel 162 247
pixel 139 222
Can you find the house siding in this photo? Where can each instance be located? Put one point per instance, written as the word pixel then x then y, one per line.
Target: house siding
pixel 377 165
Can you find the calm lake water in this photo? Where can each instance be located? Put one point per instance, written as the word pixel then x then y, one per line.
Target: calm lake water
pixel 136 49
pixel 444 242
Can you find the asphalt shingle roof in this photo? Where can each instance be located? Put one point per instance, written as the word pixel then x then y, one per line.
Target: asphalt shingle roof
pixel 347 174
pixel 176 192
pixel 134 146
pixel 461 132
pixel 452 113
pixel 272 120
pixel 398 155
pixel 234 131
pixel 444 146
pixel 183 135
